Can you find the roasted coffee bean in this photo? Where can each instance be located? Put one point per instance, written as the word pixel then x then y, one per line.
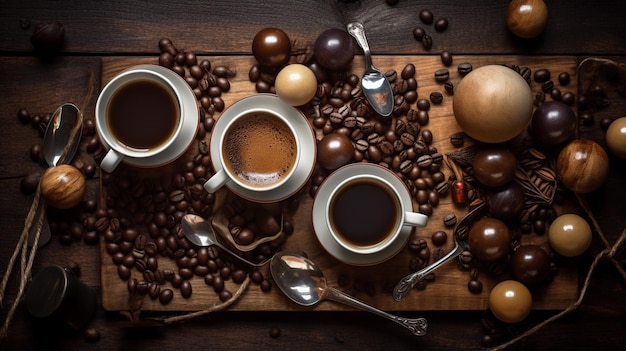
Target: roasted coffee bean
pixel 427 42
pixel 446 58
pixel 166 296
pixel 457 139
pixel 185 289
pixel 441 24
pixel 547 86
pixel 442 188
pixel 154 290
pixel 426 16
pixel 436 97
pixel 475 286
pixel 123 272
pixel 564 78
pixel 464 68
pixel 418 33
pixel 555 94
pixel 449 87
pixel 442 75
pixel 449 220
pixel 225 295
pixel 91 334
pixel 391 75
pixel 526 73
pixel 427 136
pixel 568 98
pixel 541 75
pixel 423 105
pixel 408 71
pixel 439 238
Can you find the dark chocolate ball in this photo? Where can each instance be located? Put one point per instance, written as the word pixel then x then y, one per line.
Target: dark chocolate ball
pixel 334 150
pixel 507 202
pixel 48 37
pixel 494 166
pixel 530 264
pixel 489 239
pixel 271 47
pixel 334 49
pixel 553 123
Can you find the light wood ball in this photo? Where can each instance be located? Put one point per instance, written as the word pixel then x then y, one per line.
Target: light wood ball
pixel 62 186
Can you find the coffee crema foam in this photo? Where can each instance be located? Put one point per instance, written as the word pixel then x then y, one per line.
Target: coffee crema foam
pixel 260 149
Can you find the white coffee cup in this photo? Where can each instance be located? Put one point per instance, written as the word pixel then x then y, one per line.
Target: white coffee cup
pixel 146 116
pixel 365 210
pixel 262 149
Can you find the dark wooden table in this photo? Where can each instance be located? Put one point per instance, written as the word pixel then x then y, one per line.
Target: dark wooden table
pixel 97 29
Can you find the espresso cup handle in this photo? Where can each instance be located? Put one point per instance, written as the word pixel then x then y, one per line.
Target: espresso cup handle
pixel 415 219
pixel 110 161
pixel 216 181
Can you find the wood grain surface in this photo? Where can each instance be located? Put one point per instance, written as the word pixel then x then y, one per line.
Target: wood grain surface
pixel 448 292
pixel 115 33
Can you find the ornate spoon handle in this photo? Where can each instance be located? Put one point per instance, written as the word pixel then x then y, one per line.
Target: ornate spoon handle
pixel 417 326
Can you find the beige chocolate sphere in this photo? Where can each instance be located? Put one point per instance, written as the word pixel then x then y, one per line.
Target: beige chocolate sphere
pixel 493 104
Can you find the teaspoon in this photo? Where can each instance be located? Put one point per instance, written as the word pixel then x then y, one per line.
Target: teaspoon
pixel 60 143
pixel 374 84
pixel 303 282
pixel 406 284
pixel 198 231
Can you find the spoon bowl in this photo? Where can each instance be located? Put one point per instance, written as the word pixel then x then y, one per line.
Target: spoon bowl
pixel 302 281
pixel 198 231
pixel 374 84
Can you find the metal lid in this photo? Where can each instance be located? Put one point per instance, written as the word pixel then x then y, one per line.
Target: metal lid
pixel 47 291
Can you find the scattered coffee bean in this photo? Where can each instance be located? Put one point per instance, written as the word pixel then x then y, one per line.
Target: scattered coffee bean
pixel 418 33
pixel 446 58
pixel 166 296
pixel 475 286
pixel 564 78
pixel 275 332
pixel 441 24
pixel 436 97
pixel 464 68
pixel 442 75
pixel 426 16
pixel 457 139
pixel 427 42
pixel 541 75
pixel 439 238
pixel 91 334
pixel 449 220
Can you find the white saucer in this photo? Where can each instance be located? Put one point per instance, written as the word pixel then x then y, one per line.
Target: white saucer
pixel 319 216
pixel 303 128
pixel 187 131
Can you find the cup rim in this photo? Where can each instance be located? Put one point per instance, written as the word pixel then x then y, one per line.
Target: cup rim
pixel 120 80
pixel 232 177
pixel 389 239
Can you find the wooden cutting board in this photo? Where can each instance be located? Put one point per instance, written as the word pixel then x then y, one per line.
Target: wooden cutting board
pixel 449 290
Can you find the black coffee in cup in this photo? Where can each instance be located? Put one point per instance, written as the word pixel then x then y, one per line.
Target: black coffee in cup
pixel 364 212
pixel 260 149
pixel 143 114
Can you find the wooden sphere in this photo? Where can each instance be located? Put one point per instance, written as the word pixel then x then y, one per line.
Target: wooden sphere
pixel 616 137
pixel 527 18
pixel 582 165
pixel 296 84
pixel 493 104
pixel 62 186
pixel 569 235
pixel 510 301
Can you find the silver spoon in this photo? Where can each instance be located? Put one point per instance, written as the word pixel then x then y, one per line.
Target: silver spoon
pixel 303 282
pixel 198 231
pixel 60 143
pixel 406 284
pixel 375 85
